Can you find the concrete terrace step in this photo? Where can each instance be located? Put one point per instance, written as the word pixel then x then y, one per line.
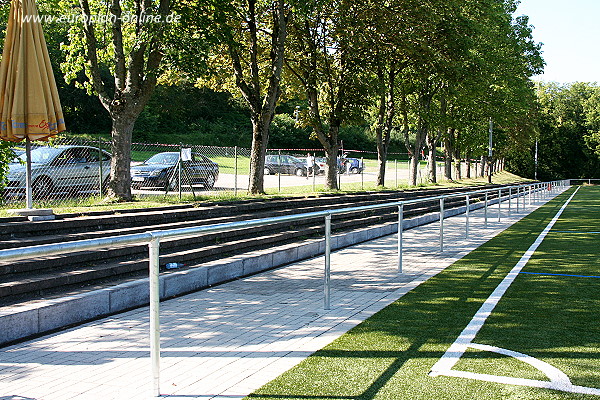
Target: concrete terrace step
pixel 35 278
pixel 44 315
pixel 11 228
pixel 15 284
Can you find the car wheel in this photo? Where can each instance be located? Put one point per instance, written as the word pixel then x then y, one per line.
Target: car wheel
pixel 42 188
pixel 267 171
pixel 210 182
pixel 299 172
pixel 354 170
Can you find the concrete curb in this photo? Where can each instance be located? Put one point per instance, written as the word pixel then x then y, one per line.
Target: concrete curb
pixel 23 321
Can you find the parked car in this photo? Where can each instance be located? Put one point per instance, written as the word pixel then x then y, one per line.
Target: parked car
pixel 60 169
pixel 350 165
pixel 322 163
pixel 316 165
pixel 283 164
pixel 161 171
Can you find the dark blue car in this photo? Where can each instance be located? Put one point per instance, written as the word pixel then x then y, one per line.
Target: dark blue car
pixel 350 165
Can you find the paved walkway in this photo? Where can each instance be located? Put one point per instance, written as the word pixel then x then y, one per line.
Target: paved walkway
pixel 225 342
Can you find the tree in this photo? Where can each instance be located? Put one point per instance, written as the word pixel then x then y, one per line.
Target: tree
pixel 246 54
pixel 122 64
pixel 565 126
pixel 328 70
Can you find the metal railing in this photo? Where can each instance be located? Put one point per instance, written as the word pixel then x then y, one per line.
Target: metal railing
pixel 531 191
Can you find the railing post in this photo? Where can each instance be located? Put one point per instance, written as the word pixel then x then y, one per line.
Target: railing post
pixel 154 257
pixel 485 207
pixel 327 278
pixel 499 204
pixel 467 210
pixel 400 230
pixel 529 194
pixel 442 224
pixel 518 197
pixel 509 200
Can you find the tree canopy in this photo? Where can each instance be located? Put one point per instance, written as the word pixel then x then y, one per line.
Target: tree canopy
pixel 417 74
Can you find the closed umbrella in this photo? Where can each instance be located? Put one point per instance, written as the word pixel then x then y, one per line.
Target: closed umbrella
pixel 29 104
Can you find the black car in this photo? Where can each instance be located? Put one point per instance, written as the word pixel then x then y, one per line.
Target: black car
pixel 283 164
pixel 161 171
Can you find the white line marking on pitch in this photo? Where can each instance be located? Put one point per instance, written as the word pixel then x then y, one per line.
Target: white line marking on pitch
pixel 559 380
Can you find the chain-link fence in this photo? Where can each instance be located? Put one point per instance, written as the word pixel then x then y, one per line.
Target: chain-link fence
pixel 68 170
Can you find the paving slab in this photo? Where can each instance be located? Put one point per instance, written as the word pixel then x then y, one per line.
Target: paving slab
pixel 227 341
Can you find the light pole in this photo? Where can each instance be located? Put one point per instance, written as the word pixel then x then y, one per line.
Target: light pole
pixel 535 160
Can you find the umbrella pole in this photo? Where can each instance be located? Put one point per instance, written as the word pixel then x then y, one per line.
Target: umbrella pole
pixel 28 191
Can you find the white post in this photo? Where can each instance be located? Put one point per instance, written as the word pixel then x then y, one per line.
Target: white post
pixel 485 210
pixel 499 203
pixel 400 230
pixel 467 217
pixel 28 182
pixel 442 224
pixel 327 278
pixel 153 256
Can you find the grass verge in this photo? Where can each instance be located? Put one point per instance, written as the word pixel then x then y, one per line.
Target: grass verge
pixel 95 203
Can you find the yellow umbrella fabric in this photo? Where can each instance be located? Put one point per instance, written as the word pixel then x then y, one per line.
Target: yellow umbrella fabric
pixel 29 103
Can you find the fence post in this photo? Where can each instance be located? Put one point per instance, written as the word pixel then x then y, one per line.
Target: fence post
pixel 509 200
pixel 100 171
pixel 442 224
pixel 279 172
pixel 400 230
pixel 179 171
pixel 529 194
pixel 154 258
pixel 362 176
pixel 327 278
pixel 467 210
pixel 396 167
pixel 235 177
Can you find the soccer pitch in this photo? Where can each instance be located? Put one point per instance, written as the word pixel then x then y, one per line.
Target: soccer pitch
pixel 515 319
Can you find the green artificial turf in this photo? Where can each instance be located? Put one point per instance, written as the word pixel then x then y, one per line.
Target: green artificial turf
pixel 551 318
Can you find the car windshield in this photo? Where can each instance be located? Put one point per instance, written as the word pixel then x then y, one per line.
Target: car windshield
pixel 41 155
pixel 164 158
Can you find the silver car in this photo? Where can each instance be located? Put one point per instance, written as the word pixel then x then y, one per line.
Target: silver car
pixel 59 170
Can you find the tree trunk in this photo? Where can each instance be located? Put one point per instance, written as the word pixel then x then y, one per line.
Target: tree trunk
pixel 431 164
pixel 381 164
pixel 331 177
pixel 260 139
pixel 120 183
pixel 414 169
pixel 386 113
pixel 484 166
pixel 468 167
pixel 448 150
pixel 457 168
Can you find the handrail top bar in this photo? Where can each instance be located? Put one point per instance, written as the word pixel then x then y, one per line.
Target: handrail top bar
pixel 146 237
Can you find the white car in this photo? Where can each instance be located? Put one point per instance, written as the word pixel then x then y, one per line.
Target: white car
pixel 60 169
